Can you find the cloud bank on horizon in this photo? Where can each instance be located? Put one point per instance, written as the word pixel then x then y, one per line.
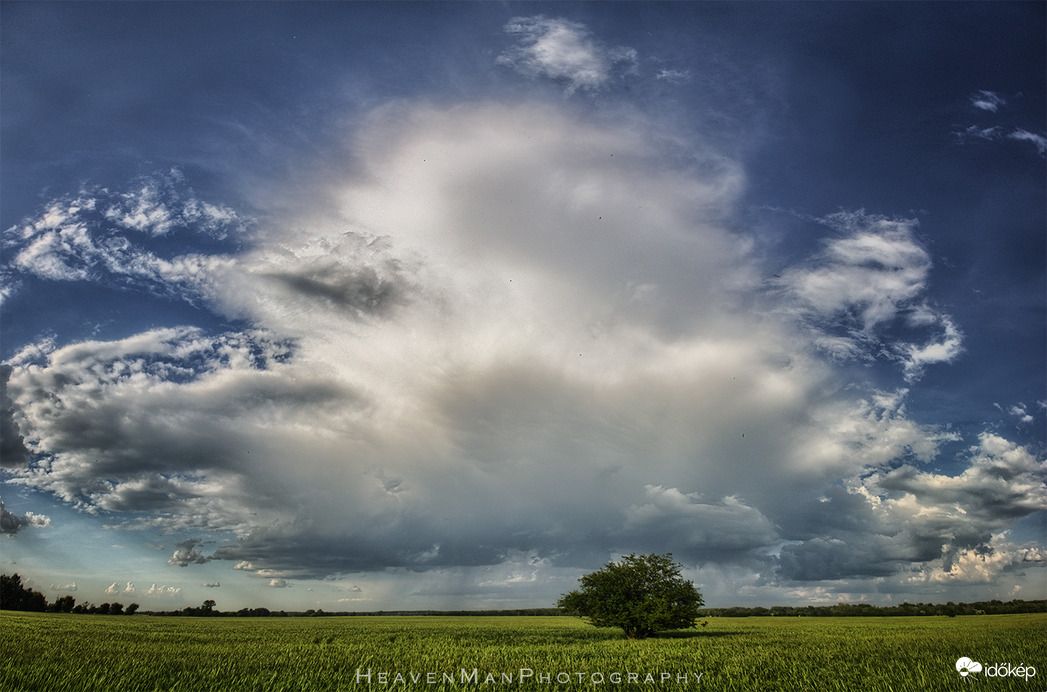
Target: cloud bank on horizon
pixel 511 341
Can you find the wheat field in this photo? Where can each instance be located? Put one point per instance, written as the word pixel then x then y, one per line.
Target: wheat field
pixel 83 652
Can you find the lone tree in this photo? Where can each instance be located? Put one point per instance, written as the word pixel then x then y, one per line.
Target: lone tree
pixel 641 594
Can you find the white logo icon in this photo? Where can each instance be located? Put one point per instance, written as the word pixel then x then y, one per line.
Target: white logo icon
pixel 965 666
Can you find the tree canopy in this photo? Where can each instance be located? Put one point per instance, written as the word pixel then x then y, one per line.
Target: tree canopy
pixel 642 594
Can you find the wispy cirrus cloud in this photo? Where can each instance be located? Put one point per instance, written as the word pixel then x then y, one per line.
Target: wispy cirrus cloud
pixel 673 76
pixel 996 133
pixel 973 131
pixel 991 102
pixel 987 100
pixel 1038 141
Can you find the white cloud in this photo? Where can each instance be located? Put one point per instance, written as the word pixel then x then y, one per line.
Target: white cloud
pixel 186 553
pixel 1002 474
pixel 944 349
pixel 990 133
pixel 866 276
pixel 996 133
pixel 869 281
pixel 163 590
pixel 1020 412
pixel 98 235
pixel 563 50
pixel 984 564
pixel 115 589
pixel 987 100
pixel 1038 141
pixel 673 76
pixel 163 203
pixel 901 538
pixel 11 523
pixel 868 433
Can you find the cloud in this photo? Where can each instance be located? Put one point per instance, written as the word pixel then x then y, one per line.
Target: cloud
pixel 13 451
pixel 11 524
pixel 563 51
pixel 996 132
pixel 673 76
pixel 869 281
pixel 888 517
pixel 943 348
pixel 212 584
pixel 987 100
pixel 278 583
pixel 115 589
pixel 865 276
pixel 1004 481
pixel 163 203
pixel 163 590
pixel 186 553
pixel 133 412
pixel 989 133
pixel 580 353
pixel 836 558
pixel 1020 412
pixel 116 237
pixel 985 564
pixel 939 527
pixel 697 530
pixel 1038 141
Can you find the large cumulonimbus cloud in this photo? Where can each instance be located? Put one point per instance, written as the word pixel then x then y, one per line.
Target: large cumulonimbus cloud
pixel 515 337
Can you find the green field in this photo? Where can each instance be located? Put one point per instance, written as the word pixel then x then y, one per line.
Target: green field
pixel 96 652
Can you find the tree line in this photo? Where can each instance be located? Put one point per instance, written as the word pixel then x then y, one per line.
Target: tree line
pixel 950 609
pixel 15 596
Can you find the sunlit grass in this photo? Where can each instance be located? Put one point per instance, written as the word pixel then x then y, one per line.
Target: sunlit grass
pixel 82 652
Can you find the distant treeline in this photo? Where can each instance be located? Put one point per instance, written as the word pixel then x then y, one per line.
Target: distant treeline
pixel 265 612
pixel 15 596
pixel 949 609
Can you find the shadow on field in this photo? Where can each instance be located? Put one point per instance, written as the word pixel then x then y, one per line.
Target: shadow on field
pixel 688 634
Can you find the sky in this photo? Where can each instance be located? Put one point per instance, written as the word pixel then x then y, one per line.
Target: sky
pixel 381 306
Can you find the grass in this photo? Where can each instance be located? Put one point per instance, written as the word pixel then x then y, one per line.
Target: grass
pixel 85 652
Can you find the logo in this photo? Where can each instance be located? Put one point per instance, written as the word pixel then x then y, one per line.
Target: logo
pixel 965 666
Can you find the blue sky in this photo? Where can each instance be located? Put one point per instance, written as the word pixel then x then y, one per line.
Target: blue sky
pixel 365 306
